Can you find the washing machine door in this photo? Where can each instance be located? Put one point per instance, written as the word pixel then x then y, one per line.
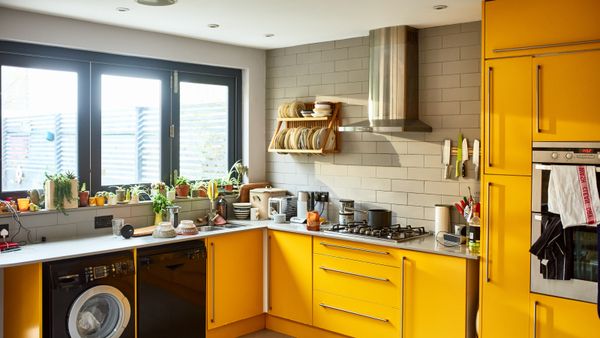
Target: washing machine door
pixel 100 312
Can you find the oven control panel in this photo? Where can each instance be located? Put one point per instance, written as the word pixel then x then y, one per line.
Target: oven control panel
pixel 583 156
pixel 122 268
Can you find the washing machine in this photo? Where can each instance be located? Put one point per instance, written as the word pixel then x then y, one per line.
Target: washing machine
pixel 90 297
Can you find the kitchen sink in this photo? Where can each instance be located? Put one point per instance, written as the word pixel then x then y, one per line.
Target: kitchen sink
pixel 232 226
pixel 208 228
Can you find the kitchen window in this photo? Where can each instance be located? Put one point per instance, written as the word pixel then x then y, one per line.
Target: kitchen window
pixel 113 120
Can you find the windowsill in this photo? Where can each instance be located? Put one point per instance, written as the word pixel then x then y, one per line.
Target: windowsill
pixel 106 206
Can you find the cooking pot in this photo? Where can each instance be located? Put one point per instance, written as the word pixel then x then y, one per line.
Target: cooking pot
pixel 376 218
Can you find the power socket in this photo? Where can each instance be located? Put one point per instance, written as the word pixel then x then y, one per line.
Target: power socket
pixel 5 226
pixel 103 221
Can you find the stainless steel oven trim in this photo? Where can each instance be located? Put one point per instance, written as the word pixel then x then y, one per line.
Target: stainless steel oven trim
pixel 566 145
pixel 573 289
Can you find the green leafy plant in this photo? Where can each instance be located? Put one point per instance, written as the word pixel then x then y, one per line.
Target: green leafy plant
pixel 102 193
pixel 62 189
pixel 236 174
pixel 137 189
pixel 182 180
pixel 160 203
pixel 83 187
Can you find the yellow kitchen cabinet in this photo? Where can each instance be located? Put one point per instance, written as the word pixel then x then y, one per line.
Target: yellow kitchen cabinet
pixel 566 88
pixel 505 233
pixel 440 295
pixel 353 317
pixel 290 276
pixel 553 317
pixel 23 301
pixel 234 276
pixel 526 24
pixel 507 116
pixel 371 253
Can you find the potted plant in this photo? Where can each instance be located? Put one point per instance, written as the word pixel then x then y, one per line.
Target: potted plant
pixel 119 194
pixel 111 198
pixel 84 196
pixel 60 191
pixel 101 197
pixel 159 207
pixel 198 189
pixel 182 186
pixel 235 176
pixel 158 188
pixel 135 193
pixel 171 193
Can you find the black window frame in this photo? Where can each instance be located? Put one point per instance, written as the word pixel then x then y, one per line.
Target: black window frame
pixel 88 105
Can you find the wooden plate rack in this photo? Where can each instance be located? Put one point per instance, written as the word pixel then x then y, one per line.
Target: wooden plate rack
pixel 330 122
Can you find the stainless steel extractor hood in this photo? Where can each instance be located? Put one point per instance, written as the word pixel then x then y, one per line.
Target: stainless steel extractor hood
pixel 393 83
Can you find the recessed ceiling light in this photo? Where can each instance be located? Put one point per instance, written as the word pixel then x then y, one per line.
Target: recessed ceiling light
pixel 122 9
pixel 156 2
pixel 439 7
pixel 269 35
pixel 213 25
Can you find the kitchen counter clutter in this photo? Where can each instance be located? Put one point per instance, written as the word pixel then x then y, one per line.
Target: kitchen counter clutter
pixel 102 244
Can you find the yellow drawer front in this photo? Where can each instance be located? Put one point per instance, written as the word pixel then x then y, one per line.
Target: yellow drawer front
pixel 374 283
pixel 358 251
pixel 353 317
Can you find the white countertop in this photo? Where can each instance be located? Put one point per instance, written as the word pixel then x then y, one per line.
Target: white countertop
pixel 78 247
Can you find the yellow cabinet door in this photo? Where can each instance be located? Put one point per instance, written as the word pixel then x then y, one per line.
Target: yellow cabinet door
pixel 507 119
pixel 530 23
pixel 234 277
pixel 23 301
pixel 566 97
pixel 553 317
pixel 435 291
pixel 505 234
pixel 290 276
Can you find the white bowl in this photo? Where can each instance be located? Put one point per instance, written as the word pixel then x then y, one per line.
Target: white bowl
pixel 242 205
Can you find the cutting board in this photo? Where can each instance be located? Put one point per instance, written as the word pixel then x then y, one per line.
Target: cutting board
pixel 145 231
pixel 245 190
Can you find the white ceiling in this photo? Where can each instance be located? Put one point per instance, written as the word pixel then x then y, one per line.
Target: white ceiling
pixel 245 22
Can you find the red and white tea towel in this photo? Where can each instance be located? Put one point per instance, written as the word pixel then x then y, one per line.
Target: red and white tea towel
pixel 573 194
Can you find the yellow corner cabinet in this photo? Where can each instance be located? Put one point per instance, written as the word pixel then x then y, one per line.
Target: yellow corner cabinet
pixel 553 317
pixel 517 27
pixel 290 276
pixel 566 96
pixel 507 119
pixel 234 277
pixel 505 241
pixel 23 301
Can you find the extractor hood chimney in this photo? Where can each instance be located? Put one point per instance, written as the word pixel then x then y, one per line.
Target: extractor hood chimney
pixel 393 83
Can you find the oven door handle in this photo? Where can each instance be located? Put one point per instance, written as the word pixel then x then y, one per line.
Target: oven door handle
pixel 549 167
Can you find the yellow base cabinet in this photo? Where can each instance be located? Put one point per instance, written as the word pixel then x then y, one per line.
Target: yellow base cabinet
pixel 440 296
pixel 505 243
pixel 526 24
pixel 290 276
pixel 553 317
pixel 23 301
pixel 566 96
pixel 234 277
pixel 507 116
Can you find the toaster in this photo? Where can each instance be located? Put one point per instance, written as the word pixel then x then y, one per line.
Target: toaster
pixel 283 205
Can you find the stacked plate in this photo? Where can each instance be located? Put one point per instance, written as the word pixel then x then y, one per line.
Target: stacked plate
pixel 291 109
pixel 322 109
pixel 304 138
pixel 241 210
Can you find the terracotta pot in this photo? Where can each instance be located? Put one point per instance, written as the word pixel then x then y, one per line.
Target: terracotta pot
pixel 182 190
pixel 202 193
pixel 83 198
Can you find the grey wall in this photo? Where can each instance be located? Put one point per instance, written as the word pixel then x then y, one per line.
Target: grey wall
pixel 401 172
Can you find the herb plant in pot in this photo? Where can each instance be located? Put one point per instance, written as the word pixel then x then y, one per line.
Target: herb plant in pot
pixel 159 206
pixel 120 194
pixel 101 197
pixel 84 196
pixel 182 187
pixel 135 194
pixel 60 191
pixel 199 189
pixel 158 188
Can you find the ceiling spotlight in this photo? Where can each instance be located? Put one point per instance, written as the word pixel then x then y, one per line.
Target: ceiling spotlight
pixel 156 2
pixel 439 7
pixel 213 25
pixel 122 9
pixel 269 35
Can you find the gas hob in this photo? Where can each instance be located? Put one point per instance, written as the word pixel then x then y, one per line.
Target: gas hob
pixel 394 233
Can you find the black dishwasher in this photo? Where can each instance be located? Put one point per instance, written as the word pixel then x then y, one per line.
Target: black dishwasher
pixel 171 297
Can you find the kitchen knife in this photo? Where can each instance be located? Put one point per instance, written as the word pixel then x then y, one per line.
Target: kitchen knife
pixel 457 172
pixel 446 158
pixel 465 157
pixel 476 158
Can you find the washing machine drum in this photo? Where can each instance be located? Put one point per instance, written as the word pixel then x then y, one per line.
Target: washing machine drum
pixel 99 312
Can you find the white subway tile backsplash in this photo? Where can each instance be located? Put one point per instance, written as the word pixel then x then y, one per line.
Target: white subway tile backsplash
pixel 402 171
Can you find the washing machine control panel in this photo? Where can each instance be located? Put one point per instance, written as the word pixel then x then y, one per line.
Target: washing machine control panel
pixel 122 268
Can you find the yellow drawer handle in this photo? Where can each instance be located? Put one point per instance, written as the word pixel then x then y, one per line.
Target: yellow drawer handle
pixel 354 274
pixel 353 313
pixel 355 249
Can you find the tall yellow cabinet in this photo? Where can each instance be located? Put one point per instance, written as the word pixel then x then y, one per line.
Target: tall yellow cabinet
pixel 541 77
